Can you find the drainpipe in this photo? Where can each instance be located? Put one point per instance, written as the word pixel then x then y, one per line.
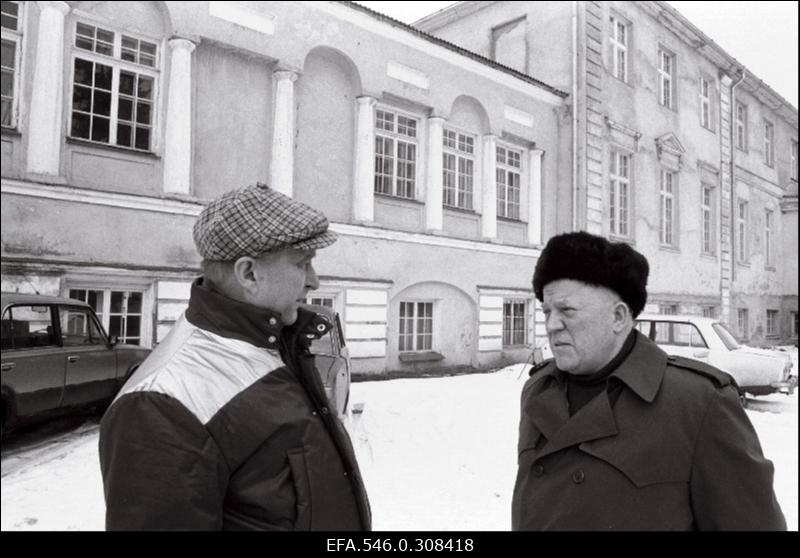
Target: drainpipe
pixel 574 116
pixel 733 175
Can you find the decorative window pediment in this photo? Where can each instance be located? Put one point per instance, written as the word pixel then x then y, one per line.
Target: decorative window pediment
pixel 669 150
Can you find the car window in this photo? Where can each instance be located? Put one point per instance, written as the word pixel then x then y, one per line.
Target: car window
pixel 644 327
pixel 78 327
pixel 687 335
pixel 663 333
pixel 28 327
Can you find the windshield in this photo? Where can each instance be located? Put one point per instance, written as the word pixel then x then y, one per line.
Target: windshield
pixel 726 336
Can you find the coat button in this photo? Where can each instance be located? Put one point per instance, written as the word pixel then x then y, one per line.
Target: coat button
pixel 272 321
pixel 271 339
pixel 578 476
pixel 345 473
pixel 324 411
pixel 538 470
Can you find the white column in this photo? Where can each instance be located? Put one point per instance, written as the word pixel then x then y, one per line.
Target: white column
pixel 535 197
pixel 433 187
pixel 364 173
pixel 47 99
pixel 282 160
pixel 178 134
pixel 489 187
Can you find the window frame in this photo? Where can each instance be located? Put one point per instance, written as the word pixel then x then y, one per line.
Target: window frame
pixel 793 160
pixel 512 321
pixel 708 241
pixel 396 137
pixel 615 197
pixel 619 48
pixel 772 322
pixel 706 112
pixel 15 37
pixel 104 314
pixel 741 126
pixel 743 322
pixel 507 169
pixel 742 230
pixel 458 156
pixel 117 65
pixel 666 76
pixel 413 320
pixel 769 143
pixel 769 237
pixel 667 229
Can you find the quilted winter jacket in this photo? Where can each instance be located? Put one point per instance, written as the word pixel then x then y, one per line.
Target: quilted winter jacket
pixel 216 431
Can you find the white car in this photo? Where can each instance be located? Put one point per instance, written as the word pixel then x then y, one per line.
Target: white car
pixel 756 371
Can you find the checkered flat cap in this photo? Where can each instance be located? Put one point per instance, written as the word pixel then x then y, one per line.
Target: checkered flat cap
pixel 256 219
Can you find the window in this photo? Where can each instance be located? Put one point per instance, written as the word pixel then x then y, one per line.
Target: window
pixel 679 334
pixel 514 327
pixel 11 19
pixel 769 145
pixel 741 126
pixel 619 193
pixel 459 169
pixel 666 229
pixel 769 239
pixel 416 326
pixel 509 167
pixel 28 327
pixel 742 319
pixel 793 161
pixel 707 217
pixel 619 48
pixel 119 311
pixel 772 323
pixel 741 231
pixel 395 154
pixel 79 328
pixel 710 312
pixel 113 91
pixel 666 78
pixel 668 309
pixel 320 301
pixel 705 104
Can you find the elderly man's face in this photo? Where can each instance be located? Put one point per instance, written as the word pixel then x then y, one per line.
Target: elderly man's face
pixel 283 280
pixel 579 321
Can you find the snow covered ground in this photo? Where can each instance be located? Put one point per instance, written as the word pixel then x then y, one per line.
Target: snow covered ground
pixel 436 454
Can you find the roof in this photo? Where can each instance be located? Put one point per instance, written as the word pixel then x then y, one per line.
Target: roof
pixel 455 48
pixel 7 298
pixel 676 318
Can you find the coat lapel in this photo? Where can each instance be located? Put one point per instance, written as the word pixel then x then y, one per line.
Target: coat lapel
pixel 595 420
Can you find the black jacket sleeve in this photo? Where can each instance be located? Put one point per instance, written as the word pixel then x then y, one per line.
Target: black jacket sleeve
pixel 161 469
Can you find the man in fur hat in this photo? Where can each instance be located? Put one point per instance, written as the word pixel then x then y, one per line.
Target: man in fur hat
pixel 616 435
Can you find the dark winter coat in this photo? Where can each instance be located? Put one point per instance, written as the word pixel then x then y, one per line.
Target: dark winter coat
pixel 216 431
pixel 671 449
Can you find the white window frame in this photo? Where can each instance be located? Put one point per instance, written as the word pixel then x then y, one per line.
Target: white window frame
pixel 769 143
pixel 15 36
pixel 117 64
pixel 396 138
pixel 413 321
pixel 706 120
pixel 668 207
pixel 708 242
pixel 668 309
pixel 710 311
pixel 743 322
pixel 104 313
pixel 773 321
pixel 619 193
pixel 769 237
pixel 741 126
pixel 793 160
pixel 742 225
pixel 508 333
pixel 463 182
pixel 509 170
pixel 666 78
pixel 619 47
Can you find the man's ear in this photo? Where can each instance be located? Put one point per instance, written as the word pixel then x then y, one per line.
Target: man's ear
pixel 621 315
pixel 244 269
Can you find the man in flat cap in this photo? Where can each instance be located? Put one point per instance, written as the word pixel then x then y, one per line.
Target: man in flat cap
pixel 616 435
pixel 226 425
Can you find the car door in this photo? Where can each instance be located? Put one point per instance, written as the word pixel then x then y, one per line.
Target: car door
pixel 90 362
pixel 33 363
pixel 680 339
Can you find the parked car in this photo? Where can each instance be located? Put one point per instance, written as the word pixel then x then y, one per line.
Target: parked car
pixel 756 371
pixel 56 358
pixel 333 360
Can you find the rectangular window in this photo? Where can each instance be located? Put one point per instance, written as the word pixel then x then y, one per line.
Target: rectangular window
pixel 458 164
pixel 509 168
pixel 666 229
pixel 619 48
pixel 707 217
pixel 772 323
pixel 705 104
pixel 769 239
pixel 416 326
pixel 320 301
pixel 514 326
pixel 668 309
pixel 28 327
pixel 769 143
pixel 113 88
pixel 793 161
pixel 395 154
pixel 120 311
pixel 742 319
pixel 741 126
pixel 742 219
pixel 10 62
pixel 710 312
pixel 666 78
pixel 619 193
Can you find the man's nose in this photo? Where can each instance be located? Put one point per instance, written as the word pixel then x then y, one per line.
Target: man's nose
pixel 553 323
pixel 312 281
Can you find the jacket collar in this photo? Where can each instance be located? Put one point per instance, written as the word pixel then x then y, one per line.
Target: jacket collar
pixel 219 314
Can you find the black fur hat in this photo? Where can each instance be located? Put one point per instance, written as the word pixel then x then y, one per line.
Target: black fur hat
pixel 594 260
